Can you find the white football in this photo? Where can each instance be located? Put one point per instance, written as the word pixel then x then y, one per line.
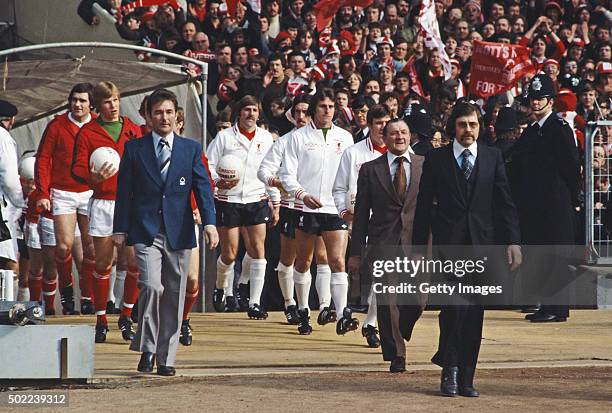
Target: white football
pixel 230 168
pixel 26 169
pixel 102 155
pixel 350 201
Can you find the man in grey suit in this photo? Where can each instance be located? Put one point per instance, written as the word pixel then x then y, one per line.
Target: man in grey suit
pixel 387 190
pixel 153 212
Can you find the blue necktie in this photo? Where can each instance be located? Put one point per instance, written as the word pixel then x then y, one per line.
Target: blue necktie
pixel 466 165
pixel 163 158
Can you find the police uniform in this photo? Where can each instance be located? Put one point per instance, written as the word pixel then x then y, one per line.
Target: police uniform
pixel 419 121
pixel 545 177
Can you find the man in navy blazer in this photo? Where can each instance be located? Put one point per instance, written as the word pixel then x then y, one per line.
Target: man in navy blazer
pixel 153 212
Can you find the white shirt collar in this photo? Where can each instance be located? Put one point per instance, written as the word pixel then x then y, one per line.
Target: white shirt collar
pixel 458 149
pixel 157 138
pixel 391 157
pixel 541 121
pixel 76 122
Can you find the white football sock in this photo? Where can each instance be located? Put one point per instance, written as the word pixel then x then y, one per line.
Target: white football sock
pixel 302 281
pixel 23 294
pixel 285 280
pixel 118 288
pixel 370 319
pixel 258 278
pixel 339 291
pixel 245 274
pixel 229 289
pixel 322 284
pixel 223 273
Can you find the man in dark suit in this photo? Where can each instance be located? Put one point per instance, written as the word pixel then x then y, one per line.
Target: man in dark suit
pixel 461 188
pixel 387 190
pixel 153 212
pixel 545 175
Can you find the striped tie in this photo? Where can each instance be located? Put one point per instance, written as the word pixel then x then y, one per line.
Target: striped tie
pixel 466 165
pixel 163 157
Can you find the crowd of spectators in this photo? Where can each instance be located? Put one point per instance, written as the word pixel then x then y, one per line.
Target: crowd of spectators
pixel 377 55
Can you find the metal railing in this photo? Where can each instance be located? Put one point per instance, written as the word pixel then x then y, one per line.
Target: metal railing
pixel 598 180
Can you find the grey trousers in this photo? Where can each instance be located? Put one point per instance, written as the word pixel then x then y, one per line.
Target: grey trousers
pixel 162 282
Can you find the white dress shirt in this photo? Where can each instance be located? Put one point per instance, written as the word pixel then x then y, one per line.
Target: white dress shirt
pixel 458 152
pixel 393 165
pixel 157 138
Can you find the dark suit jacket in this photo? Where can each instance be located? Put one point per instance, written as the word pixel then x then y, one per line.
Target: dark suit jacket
pixel 390 221
pixel 143 199
pixel 422 147
pixel 545 174
pixel 457 217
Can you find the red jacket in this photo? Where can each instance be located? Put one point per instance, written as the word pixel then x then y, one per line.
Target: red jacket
pixel 91 137
pixel 52 169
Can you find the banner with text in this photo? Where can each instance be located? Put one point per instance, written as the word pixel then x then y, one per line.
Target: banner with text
pixel 497 67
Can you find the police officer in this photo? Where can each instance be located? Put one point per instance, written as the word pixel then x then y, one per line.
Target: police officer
pixel 421 128
pixel 545 174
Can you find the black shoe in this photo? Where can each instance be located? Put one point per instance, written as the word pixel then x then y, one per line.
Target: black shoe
pixel 398 365
pixel 257 313
pixel 67 300
pixel 231 306
pixel 185 338
pixel 101 330
pixel 466 382
pixel 218 302
pixel 530 309
pixel 304 324
pixel 326 315
pixel 243 297
pixel 448 384
pixel 111 309
pixel 359 308
pixel 134 315
pixel 166 371
pixel 371 335
pixel 125 325
pixel 546 318
pixel 292 315
pixel 346 323
pixel 87 307
pixel 146 363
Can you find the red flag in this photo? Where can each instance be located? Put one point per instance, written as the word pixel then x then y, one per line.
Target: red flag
pixel 497 67
pixel 325 10
pixel 232 5
pixel 415 83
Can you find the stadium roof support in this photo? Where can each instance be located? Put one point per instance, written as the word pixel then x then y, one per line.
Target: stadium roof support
pixel 38 87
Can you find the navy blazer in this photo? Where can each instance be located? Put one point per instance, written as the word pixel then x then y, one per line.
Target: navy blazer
pixel 143 199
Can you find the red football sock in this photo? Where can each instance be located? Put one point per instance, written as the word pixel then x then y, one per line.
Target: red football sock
pixel 35 283
pixel 86 278
pixel 49 287
pixel 64 270
pixel 100 289
pixel 130 291
pixel 190 298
